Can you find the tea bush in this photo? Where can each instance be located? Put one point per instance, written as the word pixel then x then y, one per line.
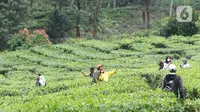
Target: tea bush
pixel 135 87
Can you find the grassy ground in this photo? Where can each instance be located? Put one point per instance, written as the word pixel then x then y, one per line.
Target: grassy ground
pixel 135 87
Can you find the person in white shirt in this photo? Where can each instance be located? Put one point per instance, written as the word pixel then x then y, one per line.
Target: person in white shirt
pixel 167 63
pixel 185 64
pixel 40 80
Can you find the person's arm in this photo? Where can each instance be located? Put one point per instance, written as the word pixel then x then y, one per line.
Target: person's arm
pixel 112 72
pixel 181 89
pixel 85 74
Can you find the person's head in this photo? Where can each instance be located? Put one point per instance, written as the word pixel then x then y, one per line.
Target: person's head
pixel 91 69
pixel 100 67
pixel 172 68
pixel 168 59
pixel 38 74
pixel 184 61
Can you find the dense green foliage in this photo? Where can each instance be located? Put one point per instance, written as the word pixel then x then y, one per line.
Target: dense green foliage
pixel 13 16
pixel 24 39
pixel 135 87
pixel 93 18
pixel 58 25
pixel 173 27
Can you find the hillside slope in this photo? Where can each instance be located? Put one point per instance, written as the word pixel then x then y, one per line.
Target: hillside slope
pixel 135 87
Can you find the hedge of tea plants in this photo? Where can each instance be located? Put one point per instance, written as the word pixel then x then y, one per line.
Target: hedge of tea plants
pixel 135 87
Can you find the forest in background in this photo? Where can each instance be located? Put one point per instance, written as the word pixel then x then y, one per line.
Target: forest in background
pixel 26 23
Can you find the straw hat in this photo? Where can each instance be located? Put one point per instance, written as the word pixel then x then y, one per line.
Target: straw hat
pixel 99 65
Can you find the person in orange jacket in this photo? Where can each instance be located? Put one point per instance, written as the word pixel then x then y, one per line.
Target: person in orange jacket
pixel 100 75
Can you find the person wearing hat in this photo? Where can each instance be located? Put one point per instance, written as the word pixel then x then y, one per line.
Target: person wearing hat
pixel 173 82
pixel 185 64
pixel 91 72
pixel 100 75
pixel 40 80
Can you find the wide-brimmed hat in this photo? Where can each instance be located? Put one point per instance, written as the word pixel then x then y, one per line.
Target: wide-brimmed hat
pixel 99 65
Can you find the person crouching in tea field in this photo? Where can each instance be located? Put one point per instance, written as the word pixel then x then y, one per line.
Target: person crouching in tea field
pixel 101 76
pixel 173 83
pixel 161 65
pixel 167 63
pixel 40 80
pixel 185 63
pixel 91 73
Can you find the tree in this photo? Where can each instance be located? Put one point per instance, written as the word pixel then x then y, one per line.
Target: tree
pixel 58 4
pixel 170 11
pixel 148 13
pixel 31 4
pixel 13 16
pixel 78 17
pixel 114 3
pixel 173 27
pixel 109 3
pixel 58 26
pixel 93 9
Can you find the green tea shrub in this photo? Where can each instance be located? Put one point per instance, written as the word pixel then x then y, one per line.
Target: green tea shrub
pixel 125 46
pixel 154 80
pixel 12 92
pixel 159 45
pixel 143 33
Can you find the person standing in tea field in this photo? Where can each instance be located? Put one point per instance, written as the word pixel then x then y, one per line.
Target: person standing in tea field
pixel 101 76
pixel 91 73
pixel 40 80
pixel 173 83
pixel 185 63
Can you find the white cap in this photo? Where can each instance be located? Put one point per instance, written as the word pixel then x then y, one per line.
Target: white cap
pixel 172 67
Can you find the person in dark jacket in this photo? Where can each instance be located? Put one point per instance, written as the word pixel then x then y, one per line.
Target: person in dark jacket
pixel 173 82
pixel 91 73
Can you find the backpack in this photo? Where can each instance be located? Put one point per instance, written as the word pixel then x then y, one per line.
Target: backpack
pixel 169 86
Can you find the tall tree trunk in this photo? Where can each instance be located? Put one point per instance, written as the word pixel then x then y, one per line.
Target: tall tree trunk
pixel 148 14
pixel 95 26
pixel 60 5
pixel 71 3
pixel 143 19
pixel 123 2
pixel 170 11
pixel 31 5
pixel 109 3
pixel 148 20
pixel 114 3
pixel 78 34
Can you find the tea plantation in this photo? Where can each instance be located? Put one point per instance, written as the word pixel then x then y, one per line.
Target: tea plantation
pixel 135 87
